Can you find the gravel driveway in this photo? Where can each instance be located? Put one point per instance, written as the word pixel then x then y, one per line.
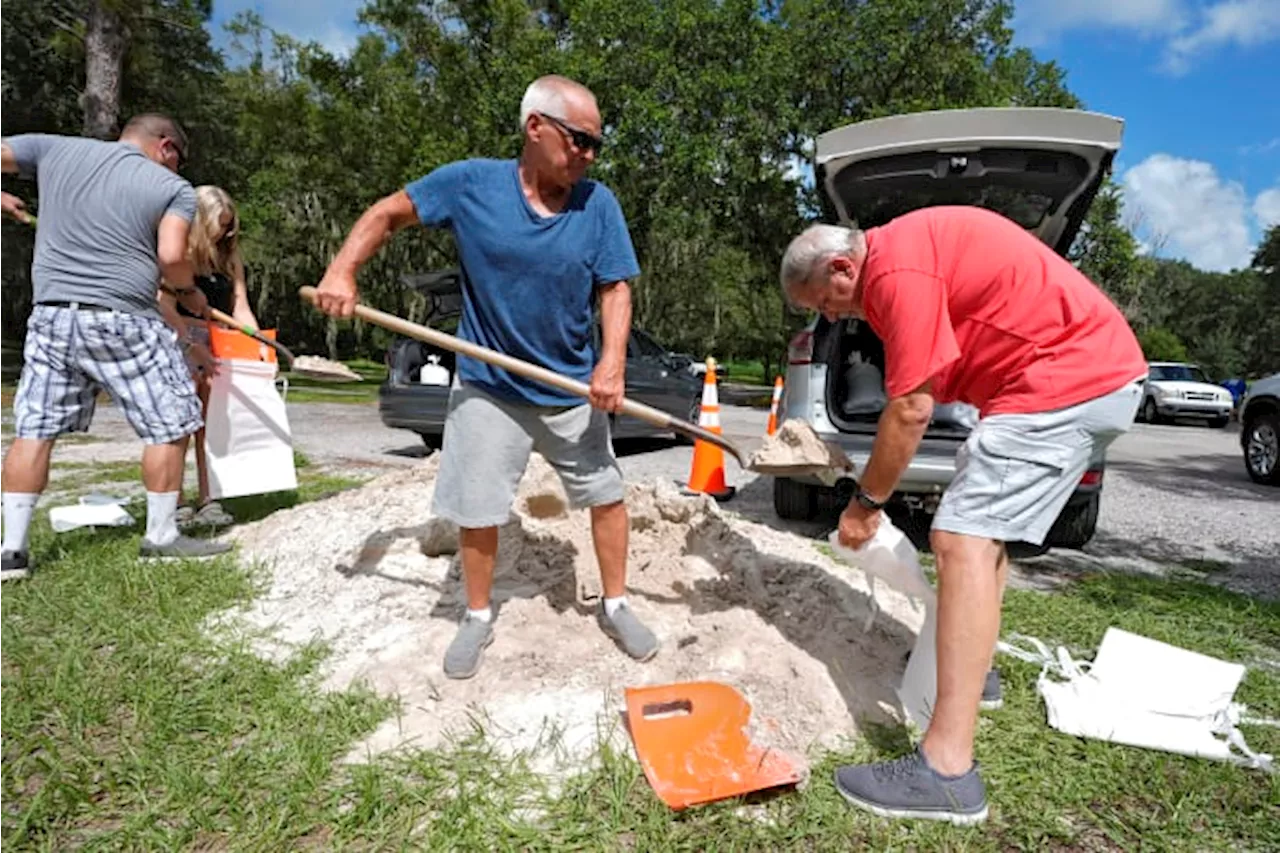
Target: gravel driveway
pixel 1176 498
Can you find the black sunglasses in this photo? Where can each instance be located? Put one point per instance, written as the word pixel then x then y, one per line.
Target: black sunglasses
pixel 182 154
pixel 580 138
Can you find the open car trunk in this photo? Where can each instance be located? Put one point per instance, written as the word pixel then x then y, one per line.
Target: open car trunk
pixel 407 356
pixel 1040 167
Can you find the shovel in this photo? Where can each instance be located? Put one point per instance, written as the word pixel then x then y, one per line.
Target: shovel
pixel 312 367
pixel 656 417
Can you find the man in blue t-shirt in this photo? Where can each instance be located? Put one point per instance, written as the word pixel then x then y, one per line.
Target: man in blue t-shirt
pixel 538 242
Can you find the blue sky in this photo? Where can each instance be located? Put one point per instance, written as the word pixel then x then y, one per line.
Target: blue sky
pixel 1195 81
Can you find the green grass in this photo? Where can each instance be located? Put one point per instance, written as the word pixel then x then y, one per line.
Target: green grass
pixel 127 726
pixel 747 373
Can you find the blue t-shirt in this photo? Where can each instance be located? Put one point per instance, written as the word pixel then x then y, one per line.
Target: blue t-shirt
pixel 528 281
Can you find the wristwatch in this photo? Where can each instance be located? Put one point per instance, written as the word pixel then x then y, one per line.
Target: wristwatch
pixel 867 501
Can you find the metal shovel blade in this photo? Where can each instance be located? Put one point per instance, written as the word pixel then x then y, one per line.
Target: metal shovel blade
pixel 692 742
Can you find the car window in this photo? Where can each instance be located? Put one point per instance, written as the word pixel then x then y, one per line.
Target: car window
pixel 643 345
pixel 1179 373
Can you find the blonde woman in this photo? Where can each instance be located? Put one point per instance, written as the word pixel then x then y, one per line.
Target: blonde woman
pixel 214 249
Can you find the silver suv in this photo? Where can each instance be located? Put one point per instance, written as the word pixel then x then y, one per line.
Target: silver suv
pixel 1040 167
pixel 1260 430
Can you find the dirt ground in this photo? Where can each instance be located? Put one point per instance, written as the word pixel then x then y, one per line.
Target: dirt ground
pixel 370 572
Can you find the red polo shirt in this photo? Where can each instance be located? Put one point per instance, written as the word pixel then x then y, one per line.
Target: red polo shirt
pixel 996 318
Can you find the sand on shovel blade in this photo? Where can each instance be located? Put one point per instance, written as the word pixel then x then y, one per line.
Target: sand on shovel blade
pixel 796 449
pixel 374 575
pixel 315 367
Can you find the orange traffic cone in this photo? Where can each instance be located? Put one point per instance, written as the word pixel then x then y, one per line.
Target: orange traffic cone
pixel 773 408
pixel 707 475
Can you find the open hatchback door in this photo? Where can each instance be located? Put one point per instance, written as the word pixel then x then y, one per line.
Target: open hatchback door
pixel 1038 166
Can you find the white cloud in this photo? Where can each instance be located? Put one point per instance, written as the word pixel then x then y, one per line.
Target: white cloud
pixel 1038 20
pixel 1267 207
pixel 1246 23
pixel 1195 212
pixel 1189 28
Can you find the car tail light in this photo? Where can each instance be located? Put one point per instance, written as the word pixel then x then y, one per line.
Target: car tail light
pixel 800 350
pixel 1091 478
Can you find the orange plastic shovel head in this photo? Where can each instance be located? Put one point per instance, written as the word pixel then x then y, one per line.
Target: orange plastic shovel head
pixel 692 742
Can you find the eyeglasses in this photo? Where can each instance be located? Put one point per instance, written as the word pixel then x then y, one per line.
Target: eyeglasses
pixel 182 154
pixel 581 140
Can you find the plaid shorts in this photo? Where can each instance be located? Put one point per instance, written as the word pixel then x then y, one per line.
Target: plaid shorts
pixel 72 354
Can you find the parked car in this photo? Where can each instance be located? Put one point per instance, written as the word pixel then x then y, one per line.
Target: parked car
pixel 654 376
pixel 1177 390
pixel 1039 167
pixel 1260 430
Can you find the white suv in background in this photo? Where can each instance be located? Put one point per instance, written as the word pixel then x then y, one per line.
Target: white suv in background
pixel 1177 390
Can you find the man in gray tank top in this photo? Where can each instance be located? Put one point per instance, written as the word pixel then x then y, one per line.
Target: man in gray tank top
pixel 114 219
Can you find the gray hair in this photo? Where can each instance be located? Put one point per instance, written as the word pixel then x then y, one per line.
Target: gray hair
pixel 547 95
pixel 816 245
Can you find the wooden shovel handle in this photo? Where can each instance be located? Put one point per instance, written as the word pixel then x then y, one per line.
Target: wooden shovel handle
pixel 658 418
pixel 228 320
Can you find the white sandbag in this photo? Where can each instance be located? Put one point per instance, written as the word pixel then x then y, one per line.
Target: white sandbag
pixel 891 558
pixel 93 510
pixel 248 445
pixel 1141 692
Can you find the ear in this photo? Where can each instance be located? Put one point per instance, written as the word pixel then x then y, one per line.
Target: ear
pixel 843 264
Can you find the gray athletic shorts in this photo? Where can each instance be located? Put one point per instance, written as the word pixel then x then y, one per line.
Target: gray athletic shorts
pixel 1016 472
pixel 72 354
pixel 487 443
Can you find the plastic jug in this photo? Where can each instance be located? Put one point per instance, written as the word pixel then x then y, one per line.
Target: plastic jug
pixel 433 373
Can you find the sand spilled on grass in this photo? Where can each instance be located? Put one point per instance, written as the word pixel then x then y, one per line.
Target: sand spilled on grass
pixel 372 574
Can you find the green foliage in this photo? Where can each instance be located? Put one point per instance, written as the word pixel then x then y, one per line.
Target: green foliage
pixel 1160 344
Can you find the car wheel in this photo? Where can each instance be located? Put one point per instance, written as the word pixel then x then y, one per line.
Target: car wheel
pixel 432 440
pixel 1262 447
pixel 695 411
pixel 1150 413
pixel 1076 525
pixel 793 500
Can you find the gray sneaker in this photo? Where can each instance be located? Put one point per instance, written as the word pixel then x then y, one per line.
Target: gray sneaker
pixel 910 788
pixel 212 515
pixel 183 548
pixel 462 659
pixel 14 566
pixel 992 692
pixel 624 628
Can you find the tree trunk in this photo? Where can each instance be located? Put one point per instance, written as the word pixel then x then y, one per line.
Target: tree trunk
pixel 105 41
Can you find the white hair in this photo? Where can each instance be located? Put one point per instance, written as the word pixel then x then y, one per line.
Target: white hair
pixel 547 95
pixel 816 245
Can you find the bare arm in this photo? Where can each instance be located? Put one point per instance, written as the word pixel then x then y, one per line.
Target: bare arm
pixel 902 426
pixel 240 300
pixel 8 162
pixel 175 266
pixel 608 381
pixel 615 321
pixel 337 292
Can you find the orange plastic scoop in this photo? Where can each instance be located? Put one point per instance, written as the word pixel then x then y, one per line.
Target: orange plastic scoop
pixel 692 743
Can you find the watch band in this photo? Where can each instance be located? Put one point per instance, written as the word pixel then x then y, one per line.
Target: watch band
pixel 867 501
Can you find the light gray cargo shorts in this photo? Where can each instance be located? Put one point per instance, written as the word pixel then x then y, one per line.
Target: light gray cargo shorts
pixel 1015 473
pixel 487 442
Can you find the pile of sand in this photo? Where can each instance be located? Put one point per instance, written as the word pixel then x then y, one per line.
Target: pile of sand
pixel 370 572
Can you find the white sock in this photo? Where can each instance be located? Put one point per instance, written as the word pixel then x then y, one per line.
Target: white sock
pixel 162 507
pixel 18 508
pixel 485 615
pixel 611 605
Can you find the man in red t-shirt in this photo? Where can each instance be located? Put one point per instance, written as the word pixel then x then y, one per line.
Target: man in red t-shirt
pixel 971 308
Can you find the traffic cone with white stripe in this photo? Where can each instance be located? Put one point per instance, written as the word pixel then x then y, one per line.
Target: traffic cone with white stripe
pixel 773 407
pixel 707 474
